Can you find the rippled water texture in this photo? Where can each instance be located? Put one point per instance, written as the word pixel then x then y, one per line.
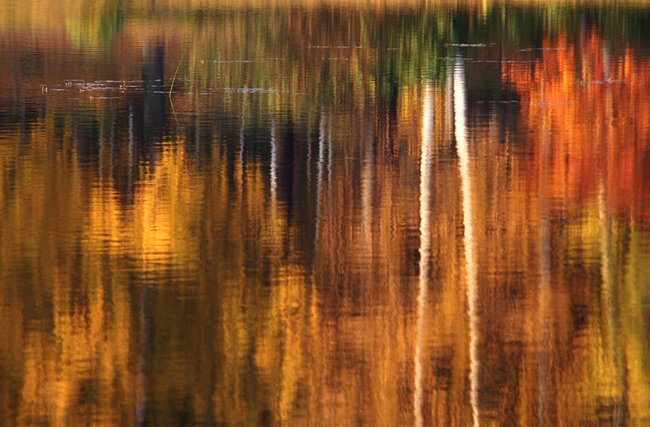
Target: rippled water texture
pixel 325 214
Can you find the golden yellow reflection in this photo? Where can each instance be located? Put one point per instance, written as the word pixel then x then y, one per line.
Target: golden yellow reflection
pixel 336 238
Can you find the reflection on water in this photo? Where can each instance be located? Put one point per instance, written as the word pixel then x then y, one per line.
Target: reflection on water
pixel 460 112
pixel 425 242
pixel 337 215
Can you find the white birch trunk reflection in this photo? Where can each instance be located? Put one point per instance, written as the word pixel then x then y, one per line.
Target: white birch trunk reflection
pixel 425 242
pixel 273 177
pixel 469 243
pixel 322 129
pixel 274 166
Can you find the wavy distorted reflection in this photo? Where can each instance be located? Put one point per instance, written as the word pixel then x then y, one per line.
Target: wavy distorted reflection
pixel 349 215
pixel 462 149
pixel 425 241
pixel 543 313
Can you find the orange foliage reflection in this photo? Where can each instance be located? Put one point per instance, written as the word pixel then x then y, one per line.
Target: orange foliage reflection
pixel 251 259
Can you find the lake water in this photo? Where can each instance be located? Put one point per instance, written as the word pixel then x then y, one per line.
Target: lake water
pixel 317 213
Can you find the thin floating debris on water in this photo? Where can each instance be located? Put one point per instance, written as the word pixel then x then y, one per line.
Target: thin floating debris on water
pixel 469 44
pixel 102 98
pixel 241 61
pixel 249 90
pixel 242 90
pixel 96 86
pixel 333 47
pixel 101 88
pixel 105 86
pixel 111 82
pixel 232 61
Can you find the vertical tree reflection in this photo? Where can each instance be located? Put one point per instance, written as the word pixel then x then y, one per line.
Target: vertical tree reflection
pixel 310 253
pixel 426 153
pixel 462 148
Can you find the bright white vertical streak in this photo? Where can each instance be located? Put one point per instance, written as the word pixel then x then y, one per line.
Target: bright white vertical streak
pixel 329 172
pixel 273 178
pixel 274 159
pixel 470 245
pixel 425 242
pixel 319 170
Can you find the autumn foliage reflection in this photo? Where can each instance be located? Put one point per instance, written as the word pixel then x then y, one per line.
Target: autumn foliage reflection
pixel 254 258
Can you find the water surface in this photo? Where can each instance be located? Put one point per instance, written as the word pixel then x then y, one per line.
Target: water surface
pixel 388 214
